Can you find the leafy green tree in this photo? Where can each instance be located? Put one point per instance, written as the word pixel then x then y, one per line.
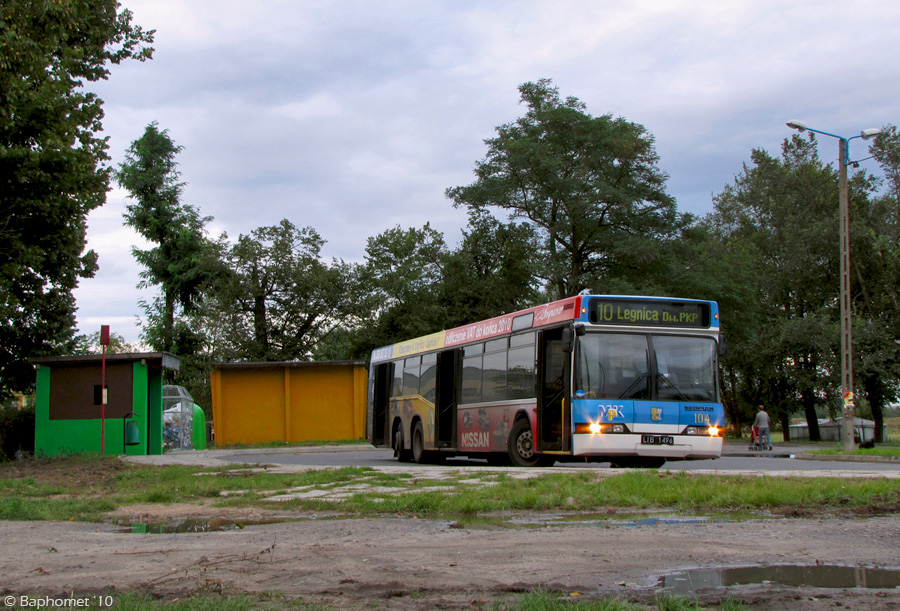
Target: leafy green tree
pixel 590 187
pixel 89 343
pixel 875 260
pixel 712 260
pixel 492 272
pixel 280 299
pixel 51 164
pixel 183 260
pixel 783 211
pixel 886 150
pixel 403 272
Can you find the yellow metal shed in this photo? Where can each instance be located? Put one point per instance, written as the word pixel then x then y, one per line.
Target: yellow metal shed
pixel 292 401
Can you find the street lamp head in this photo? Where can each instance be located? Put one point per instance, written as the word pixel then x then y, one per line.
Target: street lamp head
pixel 870 133
pixel 798 125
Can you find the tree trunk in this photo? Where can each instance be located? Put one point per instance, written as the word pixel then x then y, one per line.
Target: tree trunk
pixel 729 403
pixel 169 330
pixel 875 397
pixel 878 417
pixel 785 420
pixel 812 419
pixel 260 329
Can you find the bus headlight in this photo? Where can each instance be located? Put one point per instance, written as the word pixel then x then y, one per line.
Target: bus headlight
pixel 712 431
pixel 597 428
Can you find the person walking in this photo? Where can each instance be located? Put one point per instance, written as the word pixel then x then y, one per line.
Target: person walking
pixel 762 423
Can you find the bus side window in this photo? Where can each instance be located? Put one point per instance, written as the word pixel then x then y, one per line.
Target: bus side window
pixel 520 373
pixel 426 381
pixel 411 376
pixel 397 381
pixel 471 374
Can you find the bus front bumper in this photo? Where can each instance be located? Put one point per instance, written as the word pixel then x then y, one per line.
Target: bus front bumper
pixel 684 446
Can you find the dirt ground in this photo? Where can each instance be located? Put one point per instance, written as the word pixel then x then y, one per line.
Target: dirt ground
pixel 405 563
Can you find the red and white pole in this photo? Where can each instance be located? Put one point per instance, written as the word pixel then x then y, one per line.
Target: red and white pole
pixel 104 342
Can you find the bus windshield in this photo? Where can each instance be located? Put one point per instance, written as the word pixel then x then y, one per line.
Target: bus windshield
pixel 643 367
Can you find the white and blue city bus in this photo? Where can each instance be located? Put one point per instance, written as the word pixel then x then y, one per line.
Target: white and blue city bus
pixel 628 380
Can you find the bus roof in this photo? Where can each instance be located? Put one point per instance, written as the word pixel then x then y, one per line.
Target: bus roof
pixel 543 315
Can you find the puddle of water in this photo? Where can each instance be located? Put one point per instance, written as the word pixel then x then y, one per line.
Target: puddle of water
pixel 478 522
pixel 597 520
pixel 608 521
pixel 817 576
pixel 198 525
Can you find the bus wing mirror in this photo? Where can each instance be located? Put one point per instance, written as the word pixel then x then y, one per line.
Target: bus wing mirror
pixel 723 345
pixel 567 339
pixel 568 336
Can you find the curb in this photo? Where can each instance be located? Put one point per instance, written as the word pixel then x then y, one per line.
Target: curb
pixel 853 458
pixel 224 454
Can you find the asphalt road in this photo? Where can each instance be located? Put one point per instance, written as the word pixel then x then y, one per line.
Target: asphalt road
pixel 777 461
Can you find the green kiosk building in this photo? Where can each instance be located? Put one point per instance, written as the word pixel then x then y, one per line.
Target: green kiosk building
pixel 68 417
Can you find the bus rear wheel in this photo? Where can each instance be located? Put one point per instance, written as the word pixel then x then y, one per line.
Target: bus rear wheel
pixel 520 446
pixel 418 444
pixel 400 453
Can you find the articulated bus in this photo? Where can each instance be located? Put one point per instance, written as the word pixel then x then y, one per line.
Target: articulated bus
pixel 628 380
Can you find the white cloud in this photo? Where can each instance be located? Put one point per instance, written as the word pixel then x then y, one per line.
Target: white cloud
pixel 354 116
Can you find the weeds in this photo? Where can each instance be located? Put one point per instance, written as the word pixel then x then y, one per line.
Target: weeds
pixel 545 601
pixel 536 601
pixel 84 489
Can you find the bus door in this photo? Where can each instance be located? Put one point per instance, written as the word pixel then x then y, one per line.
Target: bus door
pixel 446 398
pixel 381 400
pixel 553 421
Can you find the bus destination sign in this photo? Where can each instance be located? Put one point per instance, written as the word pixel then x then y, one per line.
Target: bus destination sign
pixel 632 313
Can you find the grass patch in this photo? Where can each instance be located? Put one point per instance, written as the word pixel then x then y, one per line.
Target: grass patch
pixel 184 484
pixel 535 601
pixel 87 489
pixel 132 601
pixel 78 509
pixel 635 490
pixel 890 450
pixel 545 601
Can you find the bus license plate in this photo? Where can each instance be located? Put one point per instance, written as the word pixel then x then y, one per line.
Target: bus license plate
pixel 657 440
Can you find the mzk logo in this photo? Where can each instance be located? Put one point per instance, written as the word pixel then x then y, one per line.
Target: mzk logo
pixel 656 414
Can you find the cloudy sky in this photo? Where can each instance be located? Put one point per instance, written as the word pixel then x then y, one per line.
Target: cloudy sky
pixel 353 116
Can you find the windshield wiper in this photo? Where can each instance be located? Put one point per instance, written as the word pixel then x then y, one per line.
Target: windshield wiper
pixel 633 387
pixel 672 386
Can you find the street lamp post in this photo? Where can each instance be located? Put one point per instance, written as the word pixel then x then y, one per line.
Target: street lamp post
pixel 847 419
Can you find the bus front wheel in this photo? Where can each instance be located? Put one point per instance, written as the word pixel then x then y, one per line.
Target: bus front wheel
pixel 521 445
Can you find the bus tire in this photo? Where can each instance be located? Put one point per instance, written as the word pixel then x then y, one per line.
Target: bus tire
pixel 520 445
pixel 419 455
pixel 400 453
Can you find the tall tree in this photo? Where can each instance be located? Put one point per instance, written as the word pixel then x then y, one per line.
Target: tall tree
pixel 492 272
pixel 183 259
pixel 280 299
pixel 51 164
pixel 875 260
pixel 783 212
pixel 403 271
pixel 590 186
